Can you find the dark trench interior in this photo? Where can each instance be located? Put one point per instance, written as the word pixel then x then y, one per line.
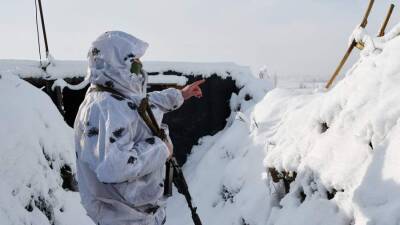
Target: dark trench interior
pixel 195 119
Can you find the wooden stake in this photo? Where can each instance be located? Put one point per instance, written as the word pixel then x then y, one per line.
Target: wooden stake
pixel 351 47
pixel 386 21
pixel 43 28
pixel 360 45
pixel 341 64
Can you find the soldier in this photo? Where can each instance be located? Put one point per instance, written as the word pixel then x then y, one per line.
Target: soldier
pixel 120 164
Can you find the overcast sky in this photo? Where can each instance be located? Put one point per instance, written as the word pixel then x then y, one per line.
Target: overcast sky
pixel 290 37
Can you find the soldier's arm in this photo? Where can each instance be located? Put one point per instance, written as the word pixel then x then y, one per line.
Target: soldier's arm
pixel 171 98
pixel 167 100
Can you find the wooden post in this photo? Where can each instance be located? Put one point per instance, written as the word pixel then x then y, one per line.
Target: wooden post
pixel 386 21
pixel 381 33
pixel 43 28
pixel 351 47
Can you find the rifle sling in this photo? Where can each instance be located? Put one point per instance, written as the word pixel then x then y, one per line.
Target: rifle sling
pixel 144 109
pixel 100 88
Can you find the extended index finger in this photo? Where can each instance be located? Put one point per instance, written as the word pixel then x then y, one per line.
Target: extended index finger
pixel 197 83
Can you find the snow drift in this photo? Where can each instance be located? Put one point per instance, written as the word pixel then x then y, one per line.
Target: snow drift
pixel 291 157
pixel 342 144
pixel 39 140
pixel 333 154
pixel 37 154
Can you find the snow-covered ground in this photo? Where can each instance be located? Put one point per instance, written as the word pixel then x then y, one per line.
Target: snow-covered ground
pixel 35 144
pixel 344 140
pixel 339 148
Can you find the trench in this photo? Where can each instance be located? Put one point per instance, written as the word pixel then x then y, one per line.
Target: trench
pixel 195 119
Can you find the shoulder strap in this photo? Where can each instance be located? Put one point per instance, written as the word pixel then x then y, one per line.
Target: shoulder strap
pixel 144 111
pixel 100 88
pixel 147 115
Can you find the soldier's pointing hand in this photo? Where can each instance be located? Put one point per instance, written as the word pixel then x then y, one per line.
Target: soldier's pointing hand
pixel 193 90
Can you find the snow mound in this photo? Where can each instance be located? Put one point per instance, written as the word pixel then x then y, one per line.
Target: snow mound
pixel 342 145
pixel 224 171
pixel 37 159
pixel 307 156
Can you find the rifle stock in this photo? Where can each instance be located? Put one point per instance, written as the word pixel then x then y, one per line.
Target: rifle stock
pixel 180 183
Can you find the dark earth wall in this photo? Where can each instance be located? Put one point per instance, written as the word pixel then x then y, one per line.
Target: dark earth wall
pixel 195 119
pixel 200 117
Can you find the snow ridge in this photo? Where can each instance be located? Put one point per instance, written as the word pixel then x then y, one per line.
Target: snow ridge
pixel 332 154
pixel 341 144
pixel 37 159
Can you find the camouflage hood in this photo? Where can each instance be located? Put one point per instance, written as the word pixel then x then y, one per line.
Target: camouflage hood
pixel 110 58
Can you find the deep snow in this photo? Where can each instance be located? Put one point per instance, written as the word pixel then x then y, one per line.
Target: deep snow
pixel 35 144
pixel 38 142
pixel 342 144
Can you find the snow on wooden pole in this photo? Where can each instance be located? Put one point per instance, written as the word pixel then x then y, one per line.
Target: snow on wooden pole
pixel 351 47
pixel 360 45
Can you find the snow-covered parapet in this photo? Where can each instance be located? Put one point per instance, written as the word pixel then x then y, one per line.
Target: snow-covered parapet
pixel 56 70
pixel 168 80
pixel 37 157
pixel 341 145
pixel 335 155
pixel 70 69
pixel 371 43
pixel 224 70
pixel 161 73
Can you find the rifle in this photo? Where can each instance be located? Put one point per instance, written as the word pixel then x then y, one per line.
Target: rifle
pixel 174 173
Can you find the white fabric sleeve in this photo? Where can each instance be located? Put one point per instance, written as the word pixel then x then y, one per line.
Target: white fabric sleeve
pixel 167 100
pixel 124 160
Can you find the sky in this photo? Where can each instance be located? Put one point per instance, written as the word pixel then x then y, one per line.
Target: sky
pixel 289 37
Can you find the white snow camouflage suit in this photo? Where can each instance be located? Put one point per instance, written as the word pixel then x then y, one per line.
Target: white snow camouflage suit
pixel 120 164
